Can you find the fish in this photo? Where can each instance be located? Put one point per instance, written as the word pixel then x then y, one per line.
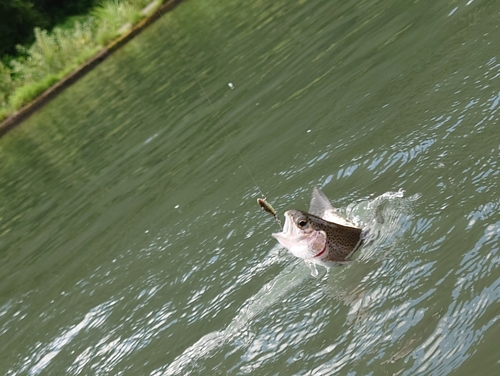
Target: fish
pixel 321 235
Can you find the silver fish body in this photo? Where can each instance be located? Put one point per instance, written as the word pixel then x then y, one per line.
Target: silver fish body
pixel 321 235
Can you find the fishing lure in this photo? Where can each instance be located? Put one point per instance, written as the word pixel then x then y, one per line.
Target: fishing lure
pixel 266 206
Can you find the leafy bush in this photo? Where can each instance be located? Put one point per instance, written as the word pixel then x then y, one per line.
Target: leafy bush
pixel 56 53
pixel 6 85
pixel 53 52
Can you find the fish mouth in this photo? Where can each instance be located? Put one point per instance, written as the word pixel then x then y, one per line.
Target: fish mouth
pixel 287 227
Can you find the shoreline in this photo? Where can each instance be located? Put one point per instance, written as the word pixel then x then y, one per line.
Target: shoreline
pixel 40 101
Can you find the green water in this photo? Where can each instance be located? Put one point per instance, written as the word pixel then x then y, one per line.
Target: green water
pixel 130 239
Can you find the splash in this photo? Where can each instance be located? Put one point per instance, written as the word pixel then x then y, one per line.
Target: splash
pixel 384 220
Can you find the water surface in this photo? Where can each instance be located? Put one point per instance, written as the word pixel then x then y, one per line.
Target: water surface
pixel 130 239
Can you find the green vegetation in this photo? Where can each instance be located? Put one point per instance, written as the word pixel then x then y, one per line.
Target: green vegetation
pixel 56 53
pixel 18 18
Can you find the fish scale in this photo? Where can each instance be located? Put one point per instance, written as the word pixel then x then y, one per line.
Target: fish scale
pixel 341 240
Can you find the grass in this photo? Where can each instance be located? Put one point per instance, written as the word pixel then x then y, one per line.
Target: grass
pixel 113 15
pixel 56 53
pixel 23 94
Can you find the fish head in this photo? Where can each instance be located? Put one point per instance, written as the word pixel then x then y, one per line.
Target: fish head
pixel 302 235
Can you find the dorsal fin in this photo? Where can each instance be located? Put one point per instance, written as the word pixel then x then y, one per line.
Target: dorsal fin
pixel 319 203
pixel 321 207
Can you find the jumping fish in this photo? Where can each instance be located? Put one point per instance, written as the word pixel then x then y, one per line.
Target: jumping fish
pixel 320 236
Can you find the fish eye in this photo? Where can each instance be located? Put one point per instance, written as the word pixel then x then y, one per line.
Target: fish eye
pixel 302 223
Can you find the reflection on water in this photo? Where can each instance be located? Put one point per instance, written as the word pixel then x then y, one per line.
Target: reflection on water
pixel 130 241
pixel 269 294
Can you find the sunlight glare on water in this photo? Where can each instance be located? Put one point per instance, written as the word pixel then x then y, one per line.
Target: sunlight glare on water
pixel 130 238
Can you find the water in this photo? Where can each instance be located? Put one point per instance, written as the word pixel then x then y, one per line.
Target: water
pixel 130 239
